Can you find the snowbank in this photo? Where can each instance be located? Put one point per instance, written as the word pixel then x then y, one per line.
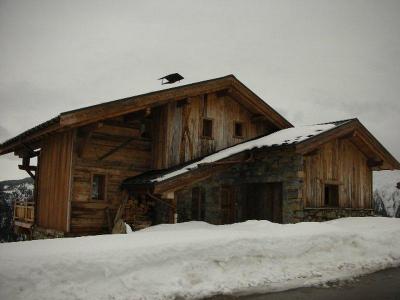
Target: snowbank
pixel 196 259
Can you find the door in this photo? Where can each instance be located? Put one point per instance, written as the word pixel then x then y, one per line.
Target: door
pixel 264 202
pixel 227 202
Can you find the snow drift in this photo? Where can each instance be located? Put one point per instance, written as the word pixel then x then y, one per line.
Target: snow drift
pixel 196 259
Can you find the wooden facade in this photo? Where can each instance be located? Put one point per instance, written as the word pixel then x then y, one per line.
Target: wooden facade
pixel 178 129
pixel 84 156
pixel 340 163
pixel 54 182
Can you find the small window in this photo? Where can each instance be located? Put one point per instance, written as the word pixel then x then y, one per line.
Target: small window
pixel 207 131
pixel 238 129
pixel 98 187
pixel 198 204
pixel 331 195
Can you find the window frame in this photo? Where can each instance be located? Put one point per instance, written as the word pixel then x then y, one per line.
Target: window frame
pixel 202 128
pixel 234 129
pixel 92 174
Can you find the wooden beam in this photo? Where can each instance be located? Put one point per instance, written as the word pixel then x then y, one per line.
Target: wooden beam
pixel 23 224
pixel 116 148
pixel 87 132
pixel 141 102
pixel 25 168
pixel 258 118
pixel 372 163
pixel 34 137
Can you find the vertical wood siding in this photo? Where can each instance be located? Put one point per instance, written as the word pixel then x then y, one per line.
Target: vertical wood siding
pixel 177 134
pixel 338 162
pixel 54 181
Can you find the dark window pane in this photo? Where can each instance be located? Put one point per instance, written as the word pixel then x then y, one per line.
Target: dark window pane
pixel 207 128
pixel 238 129
pixel 331 198
pixel 98 187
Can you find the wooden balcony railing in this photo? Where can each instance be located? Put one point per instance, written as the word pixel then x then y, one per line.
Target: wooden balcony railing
pixel 24 213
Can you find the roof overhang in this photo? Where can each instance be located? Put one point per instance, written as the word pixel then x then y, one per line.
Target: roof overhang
pixel 378 156
pixel 107 110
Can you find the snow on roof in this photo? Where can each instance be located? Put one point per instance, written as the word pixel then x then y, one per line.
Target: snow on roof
pixel 287 136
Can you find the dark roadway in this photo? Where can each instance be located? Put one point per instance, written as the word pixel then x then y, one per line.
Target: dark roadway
pixel 382 285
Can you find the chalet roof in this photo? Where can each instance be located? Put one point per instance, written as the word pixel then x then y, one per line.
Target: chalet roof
pixel 95 113
pixel 304 138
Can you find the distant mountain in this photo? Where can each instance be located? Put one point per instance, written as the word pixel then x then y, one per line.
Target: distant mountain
pixel 21 189
pixel 387 193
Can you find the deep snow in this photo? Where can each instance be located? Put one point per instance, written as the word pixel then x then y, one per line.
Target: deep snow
pixel 196 259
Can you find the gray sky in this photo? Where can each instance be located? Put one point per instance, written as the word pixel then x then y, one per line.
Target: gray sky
pixel 313 61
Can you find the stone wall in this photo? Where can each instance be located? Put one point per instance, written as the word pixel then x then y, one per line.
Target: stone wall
pixel 280 165
pixel 41 234
pixel 326 214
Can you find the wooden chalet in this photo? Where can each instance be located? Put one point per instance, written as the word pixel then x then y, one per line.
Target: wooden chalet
pixel 211 151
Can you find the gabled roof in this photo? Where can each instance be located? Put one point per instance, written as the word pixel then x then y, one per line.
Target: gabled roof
pixel 303 138
pixel 91 114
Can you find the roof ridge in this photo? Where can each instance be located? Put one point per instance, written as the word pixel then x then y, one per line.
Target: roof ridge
pixel 337 122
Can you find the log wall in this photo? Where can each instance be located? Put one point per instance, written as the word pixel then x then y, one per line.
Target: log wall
pixel 54 181
pixel 338 162
pixel 90 216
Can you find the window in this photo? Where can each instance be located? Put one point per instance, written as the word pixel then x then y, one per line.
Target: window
pixel 331 195
pixel 238 129
pixel 98 187
pixel 198 204
pixel 207 131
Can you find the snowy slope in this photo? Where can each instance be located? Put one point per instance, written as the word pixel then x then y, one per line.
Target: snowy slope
pixel 195 259
pixel 386 194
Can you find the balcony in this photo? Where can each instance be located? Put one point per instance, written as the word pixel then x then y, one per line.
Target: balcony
pixel 24 214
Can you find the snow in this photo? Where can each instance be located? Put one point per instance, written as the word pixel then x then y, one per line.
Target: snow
pixel 385 189
pixel 196 259
pixel 128 228
pixel 285 136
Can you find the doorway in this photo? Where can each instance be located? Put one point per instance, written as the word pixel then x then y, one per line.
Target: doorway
pixel 227 202
pixel 263 201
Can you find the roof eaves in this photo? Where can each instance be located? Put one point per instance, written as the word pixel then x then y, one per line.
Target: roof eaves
pixel 20 137
pixel 338 124
pixel 265 103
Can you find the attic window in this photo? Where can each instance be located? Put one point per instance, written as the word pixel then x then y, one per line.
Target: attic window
pixel 331 198
pixel 238 129
pixel 98 187
pixel 207 130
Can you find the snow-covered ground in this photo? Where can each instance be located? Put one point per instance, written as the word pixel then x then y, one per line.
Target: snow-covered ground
pixel 196 259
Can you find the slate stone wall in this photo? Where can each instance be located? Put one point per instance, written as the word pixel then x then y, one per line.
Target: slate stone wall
pixel 41 234
pixel 326 214
pixel 282 165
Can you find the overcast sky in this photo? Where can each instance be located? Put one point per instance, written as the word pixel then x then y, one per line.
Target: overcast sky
pixel 313 61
